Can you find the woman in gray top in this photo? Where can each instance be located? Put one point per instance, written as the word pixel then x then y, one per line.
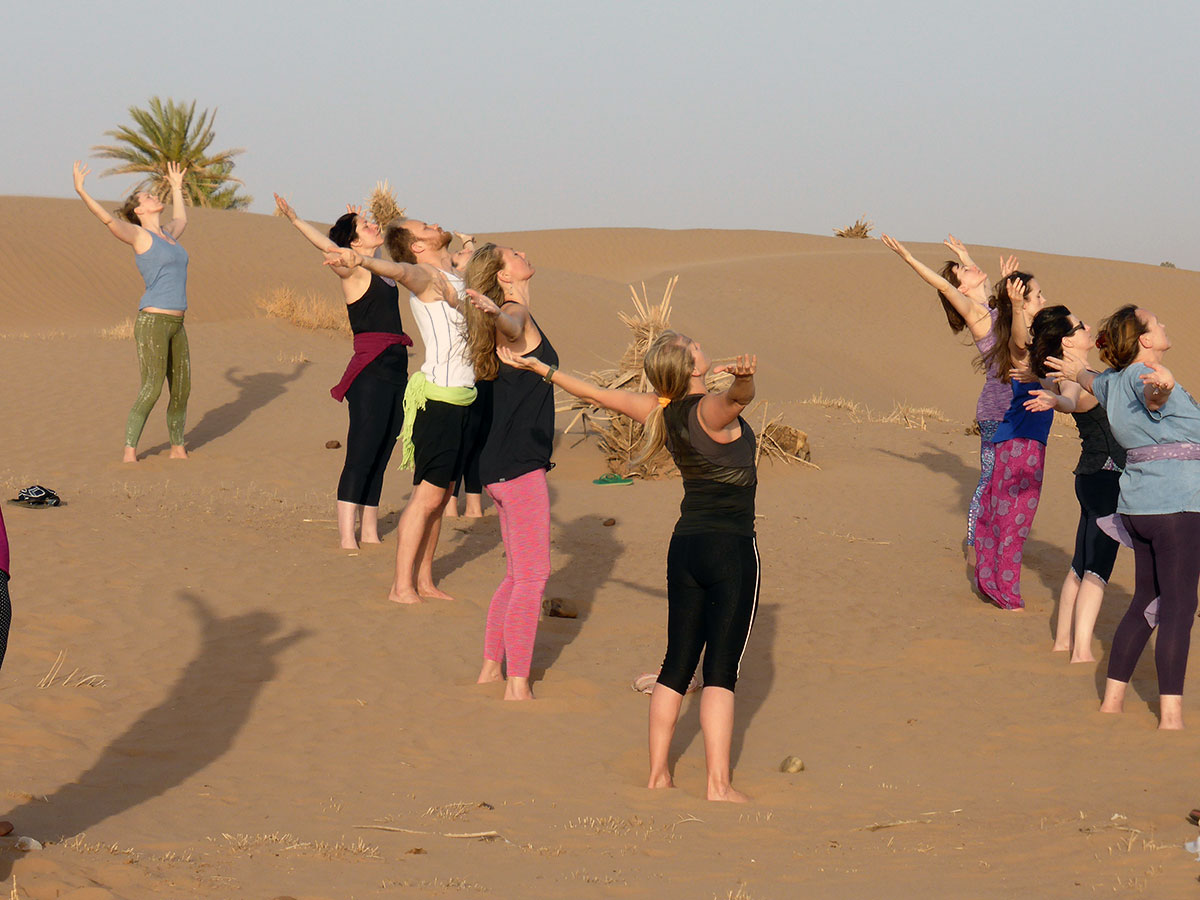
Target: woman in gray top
pixel 162 344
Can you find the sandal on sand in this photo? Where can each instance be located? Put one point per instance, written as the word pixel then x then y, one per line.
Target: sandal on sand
pixel 644 683
pixel 36 497
pixel 612 478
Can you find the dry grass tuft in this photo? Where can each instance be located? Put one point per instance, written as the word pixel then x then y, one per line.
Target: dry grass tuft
pixel 860 229
pixel 72 680
pixel 901 414
pixel 454 811
pixel 313 312
pixel 435 884
pixel 121 332
pixel 282 841
pixel 292 358
pixel 383 206
pixel 80 845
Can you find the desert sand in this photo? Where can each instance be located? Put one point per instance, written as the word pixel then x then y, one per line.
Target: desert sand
pixel 204 697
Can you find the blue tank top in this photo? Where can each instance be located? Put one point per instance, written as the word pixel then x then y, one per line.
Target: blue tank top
pixel 1020 422
pixel 164 269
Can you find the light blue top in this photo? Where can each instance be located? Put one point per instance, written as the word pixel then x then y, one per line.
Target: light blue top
pixel 164 269
pixel 1159 486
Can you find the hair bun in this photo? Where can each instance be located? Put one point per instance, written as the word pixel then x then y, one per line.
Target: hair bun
pixel 1102 340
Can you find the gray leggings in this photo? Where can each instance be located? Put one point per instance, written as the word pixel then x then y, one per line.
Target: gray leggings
pixel 162 349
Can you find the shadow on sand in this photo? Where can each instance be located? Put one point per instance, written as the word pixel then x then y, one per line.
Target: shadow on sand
pixel 194 725
pixel 254 392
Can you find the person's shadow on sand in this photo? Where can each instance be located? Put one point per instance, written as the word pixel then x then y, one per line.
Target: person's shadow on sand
pixel 254 392
pixel 753 686
pixel 195 724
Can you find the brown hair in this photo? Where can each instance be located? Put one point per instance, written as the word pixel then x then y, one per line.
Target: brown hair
pixel 999 358
pixel 1118 338
pixel 481 275
pixel 953 316
pixel 1046 333
pixel 668 365
pixel 126 210
pixel 399 241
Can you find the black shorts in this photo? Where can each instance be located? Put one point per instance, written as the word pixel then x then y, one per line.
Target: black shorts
pixel 438 436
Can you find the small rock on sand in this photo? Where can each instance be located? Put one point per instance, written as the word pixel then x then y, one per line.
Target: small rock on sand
pixel 332 445
pixel 792 765
pixel 27 843
pixel 558 608
pixel 609 523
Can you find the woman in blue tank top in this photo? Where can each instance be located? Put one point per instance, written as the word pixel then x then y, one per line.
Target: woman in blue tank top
pixel 162 344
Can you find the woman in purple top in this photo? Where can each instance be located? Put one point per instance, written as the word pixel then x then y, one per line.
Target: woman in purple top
pixel 963 289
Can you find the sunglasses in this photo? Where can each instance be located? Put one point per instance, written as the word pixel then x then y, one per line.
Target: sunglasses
pixel 1078 328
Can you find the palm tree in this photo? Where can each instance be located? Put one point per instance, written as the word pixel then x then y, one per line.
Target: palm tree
pixel 171 132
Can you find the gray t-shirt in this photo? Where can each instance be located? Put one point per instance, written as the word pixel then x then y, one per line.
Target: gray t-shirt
pixel 1159 486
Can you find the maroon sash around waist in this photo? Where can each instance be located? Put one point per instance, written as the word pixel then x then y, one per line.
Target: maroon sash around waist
pixel 1152 452
pixel 367 346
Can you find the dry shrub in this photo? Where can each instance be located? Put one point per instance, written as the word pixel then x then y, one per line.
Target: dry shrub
pixel 860 229
pixel 383 205
pixel 313 311
pixel 121 332
pixel 620 437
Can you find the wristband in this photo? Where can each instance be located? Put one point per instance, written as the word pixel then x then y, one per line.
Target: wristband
pixel 549 376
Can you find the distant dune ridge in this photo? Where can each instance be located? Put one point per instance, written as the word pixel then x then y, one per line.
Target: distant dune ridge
pixel 268 725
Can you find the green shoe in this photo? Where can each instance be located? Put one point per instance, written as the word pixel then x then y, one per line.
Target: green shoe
pixel 612 478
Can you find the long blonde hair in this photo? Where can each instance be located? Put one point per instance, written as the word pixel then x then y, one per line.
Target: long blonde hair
pixel 482 273
pixel 668 365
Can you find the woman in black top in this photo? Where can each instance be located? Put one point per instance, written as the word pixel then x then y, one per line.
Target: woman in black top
pixel 712 563
pixel 515 455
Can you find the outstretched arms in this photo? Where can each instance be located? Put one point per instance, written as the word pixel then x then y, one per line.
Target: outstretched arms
pixel 422 280
pixel 636 404
pixel 974 314
pixel 318 240
pixel 178 209
pixel 122 230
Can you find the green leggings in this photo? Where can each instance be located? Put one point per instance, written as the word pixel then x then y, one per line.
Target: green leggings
pixel 162 349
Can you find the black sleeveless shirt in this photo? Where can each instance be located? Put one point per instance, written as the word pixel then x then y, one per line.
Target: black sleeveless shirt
pixel 378 309
pixel 1099 445
pixel 521 438
pixel 719 480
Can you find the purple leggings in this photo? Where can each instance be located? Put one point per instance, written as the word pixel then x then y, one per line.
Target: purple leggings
pixel 1166 553
pixel 523 506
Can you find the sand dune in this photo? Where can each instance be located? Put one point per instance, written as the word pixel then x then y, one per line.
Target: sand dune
pixel 257 702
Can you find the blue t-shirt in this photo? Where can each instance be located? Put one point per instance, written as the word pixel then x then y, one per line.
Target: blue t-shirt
pixel 1020 422
pixel 164 269
pixel 1160 486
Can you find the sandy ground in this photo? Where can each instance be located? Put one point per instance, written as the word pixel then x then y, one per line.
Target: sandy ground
pixel 239 712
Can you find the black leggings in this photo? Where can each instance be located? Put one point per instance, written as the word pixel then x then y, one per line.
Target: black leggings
pixel 5 615
pixel 712 596
pixel 1095 551
pixel 1166 552
pixel 376 414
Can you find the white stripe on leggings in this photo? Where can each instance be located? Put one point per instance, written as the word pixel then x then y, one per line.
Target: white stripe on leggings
pixel 754 609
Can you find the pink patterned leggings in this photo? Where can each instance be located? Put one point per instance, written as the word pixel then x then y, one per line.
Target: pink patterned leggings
pixel 1007 509
pixel 523 506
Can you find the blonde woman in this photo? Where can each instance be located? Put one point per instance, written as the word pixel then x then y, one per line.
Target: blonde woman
pixel 712 562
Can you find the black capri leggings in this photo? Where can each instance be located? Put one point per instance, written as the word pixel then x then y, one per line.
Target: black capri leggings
pixel 1095 551
pixel 712 596
pixel 376 414
pixel 1166 552
pixel 5 616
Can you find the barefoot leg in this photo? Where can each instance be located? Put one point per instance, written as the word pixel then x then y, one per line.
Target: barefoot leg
pixel 1170 712
pixel 425 503
pixel 1087 609
pixel 474 506
pixel 433 529
pixel 1114 696
pixel 716 722
pixel 489 672
pixel 177 452
pixel 346 514
pixel 130 455
pixel 1066 612
pixel 518 689
pixel 664 712
pixel 369 527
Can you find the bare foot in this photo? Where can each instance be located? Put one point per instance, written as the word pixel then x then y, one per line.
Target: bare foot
pixel 348 545
pixel 371 539
pixel 1012 609
pixel 660 781
pixel 490 672
pixel 1058 648
pixel 1112 708
pixel 130 455
pixel 177 452
pixel 727 794
pixel 1083 658
pixel 429 592
pixel 518 689
pixel 408 595
pixel 1170 712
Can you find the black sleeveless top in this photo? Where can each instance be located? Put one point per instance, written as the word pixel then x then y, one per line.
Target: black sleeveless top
pixel 719 480
pixel 378 309
pixel 1099 445
pixel 521 438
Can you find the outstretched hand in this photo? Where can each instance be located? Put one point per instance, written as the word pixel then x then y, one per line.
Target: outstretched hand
pixel 1020 370
pixel 354 208
pixel 1041 401
pixel 463 236
pixel 484 304
pixel 446 289
pixel 894 245
pixel 741 367
pixel 517 362
pixel 1008 265
pixel 175 173
pixel 1067 368
pixel 80 172
pixel 343 257
pixel 285 208
pixel 1159 378
pixel 958 248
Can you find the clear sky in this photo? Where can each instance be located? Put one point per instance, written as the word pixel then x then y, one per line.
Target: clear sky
pixel 1066 127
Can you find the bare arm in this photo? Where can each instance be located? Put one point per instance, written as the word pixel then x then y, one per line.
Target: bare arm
pixel 975 315
pixel 1159 382
pixel 175 174
pixel 419 279
pixel 509 320
pixel 720 410
pixel 1071 367
pixel 1018 341
pixel 636 404
pixel 1064 397
pixel 318 240
pixel 122 230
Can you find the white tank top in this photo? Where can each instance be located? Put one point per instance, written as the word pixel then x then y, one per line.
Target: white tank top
pixel 444 334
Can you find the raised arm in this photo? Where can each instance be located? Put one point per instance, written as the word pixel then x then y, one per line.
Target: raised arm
pixel 976 317
pixel 509 321
pixel 122 230
pixel 636 404
pixel 419 279
pixel 1018 341
pixel 178 209
pixel 314 235
pixel 720 410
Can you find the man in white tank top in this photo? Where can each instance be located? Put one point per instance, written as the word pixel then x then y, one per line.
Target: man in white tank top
pixel 421 256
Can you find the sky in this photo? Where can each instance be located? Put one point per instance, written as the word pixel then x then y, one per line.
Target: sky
pixel 1062 127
